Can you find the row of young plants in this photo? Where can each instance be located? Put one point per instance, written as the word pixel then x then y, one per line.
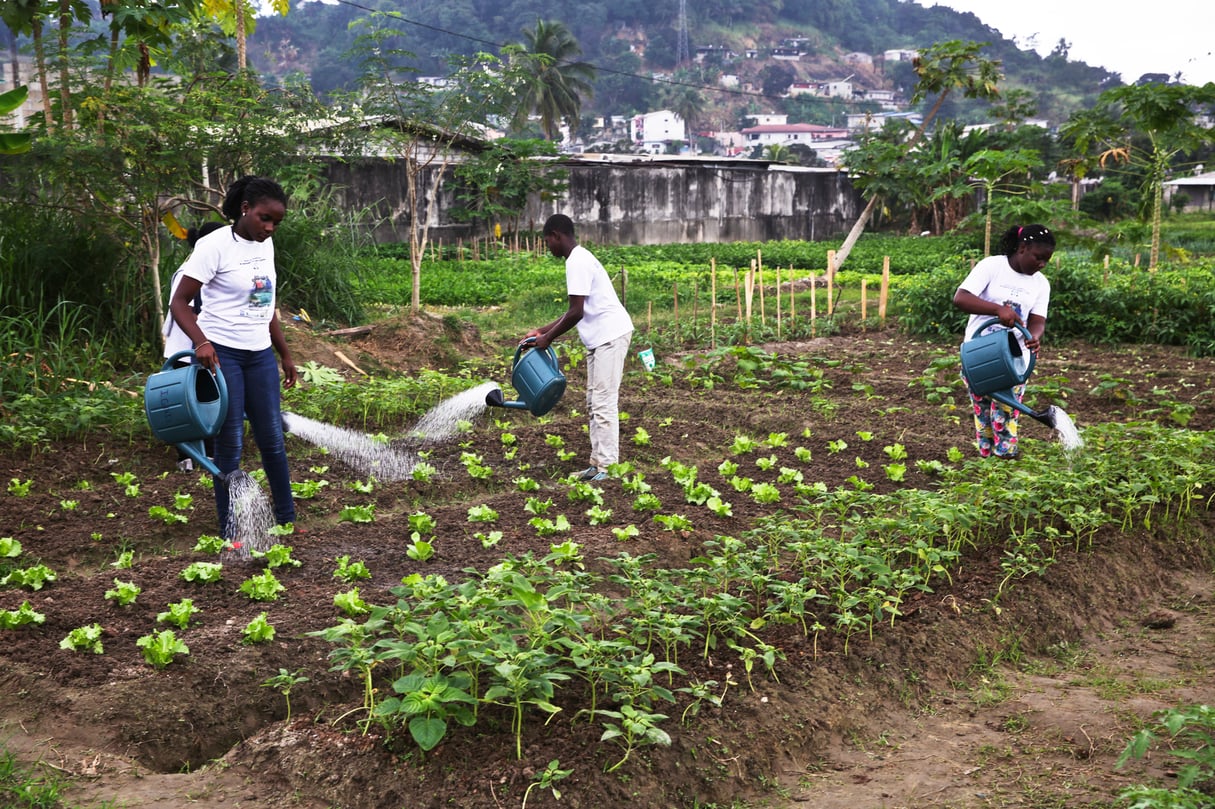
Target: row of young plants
pixel 545 636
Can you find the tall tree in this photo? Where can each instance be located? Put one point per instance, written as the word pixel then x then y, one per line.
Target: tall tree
pixel 1166 115
pixel 554 81
pixel 942 69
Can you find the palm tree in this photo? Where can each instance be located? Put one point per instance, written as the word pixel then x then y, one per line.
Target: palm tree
pixel 556 82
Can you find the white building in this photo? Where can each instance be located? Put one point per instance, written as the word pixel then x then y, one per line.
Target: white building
pixel 652 131
pixel 789 134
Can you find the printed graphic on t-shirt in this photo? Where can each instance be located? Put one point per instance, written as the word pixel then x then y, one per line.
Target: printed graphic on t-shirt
pixel 261 297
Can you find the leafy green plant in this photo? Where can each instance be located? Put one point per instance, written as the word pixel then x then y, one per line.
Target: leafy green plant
pixel 277 556
pixel 546 779
pixel 546 527
pixel 84 638
pixel 178 614
pixel 526 484
pixel 357 514
pixel 488 540
pixel 420 550
pixel 259 630
pixel 348 571
pixel 32 577
pixel 9 548
pixel 307 489
pixel 161 649
pixel 673 522
pixel 765 493
pixel 475 466
pixel 262 587
pixel 23 615
pixel 647 501
pixel 626 533
pixel 641 437
pixel 205 572
pixel 534 505
pixel 633 727
pixel 362 487
pixel 1190 730
pixel 422 523
pixel 425 703
pixel 284 682
pixel 351 603
pixel 423 472
pixel 208 543
pixel 124 561
pixel 19 488
pixel 743 444
pixel 482 513
pixel 124 593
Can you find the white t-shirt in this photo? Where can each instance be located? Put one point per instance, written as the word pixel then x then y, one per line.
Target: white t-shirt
pixel 993 279
pixel 239 284
pixel 603 317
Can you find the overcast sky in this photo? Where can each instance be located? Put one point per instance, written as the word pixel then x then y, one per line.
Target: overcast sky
pixel 1125 37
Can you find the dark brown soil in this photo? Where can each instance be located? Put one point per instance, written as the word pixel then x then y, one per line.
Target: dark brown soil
pixel 901 720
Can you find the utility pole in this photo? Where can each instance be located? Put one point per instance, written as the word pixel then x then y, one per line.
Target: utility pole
pixel 683 52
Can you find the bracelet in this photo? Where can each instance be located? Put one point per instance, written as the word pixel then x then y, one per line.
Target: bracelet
pixel 203 343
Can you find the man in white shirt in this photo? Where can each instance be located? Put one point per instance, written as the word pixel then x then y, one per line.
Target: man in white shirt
pixel 605 328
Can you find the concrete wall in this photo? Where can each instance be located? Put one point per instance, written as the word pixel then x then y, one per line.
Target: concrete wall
pixel 643 202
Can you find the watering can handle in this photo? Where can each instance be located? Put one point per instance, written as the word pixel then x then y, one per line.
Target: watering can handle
pixel 995 321
pixel 219 376
pixel 530 342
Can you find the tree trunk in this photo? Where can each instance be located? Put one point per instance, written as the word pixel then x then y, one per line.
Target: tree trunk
pixel 853 235
pixel 65 89
pixel 40 60
pixel 238 7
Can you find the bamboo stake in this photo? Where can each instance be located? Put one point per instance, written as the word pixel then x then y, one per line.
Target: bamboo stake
pixel 675 294
pixel 649 317
pixel 778 319
pixel 695 305
pixel 792 302
pixel 830 296
pixel 749 287
pixel 864 301
pixel 884 294
pixel 830 265
pixel 813 303
pixel 624 283
pixel 737 295
pixel 759 279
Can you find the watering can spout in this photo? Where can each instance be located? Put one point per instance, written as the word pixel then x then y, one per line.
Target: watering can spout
pixel 494 399
pixel 1047 416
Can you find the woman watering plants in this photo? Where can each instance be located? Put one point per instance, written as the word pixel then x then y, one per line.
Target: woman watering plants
pixel 1010 288
pixel 238 332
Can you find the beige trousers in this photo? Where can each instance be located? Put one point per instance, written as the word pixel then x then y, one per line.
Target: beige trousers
pixel 604 370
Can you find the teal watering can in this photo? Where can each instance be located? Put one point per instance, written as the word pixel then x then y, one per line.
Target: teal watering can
pixel 186 405
pixel 995 363
pixel 537 378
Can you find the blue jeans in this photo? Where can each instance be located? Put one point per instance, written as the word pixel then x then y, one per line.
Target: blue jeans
pixel 253 392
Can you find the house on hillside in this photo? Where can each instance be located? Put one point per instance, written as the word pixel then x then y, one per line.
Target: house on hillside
pixel 653 131
pixel 859 58
pixel 789 134
pixel 1198 190
pixel 900 55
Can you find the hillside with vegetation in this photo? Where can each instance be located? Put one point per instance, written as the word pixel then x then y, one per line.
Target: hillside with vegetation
pixel 628 42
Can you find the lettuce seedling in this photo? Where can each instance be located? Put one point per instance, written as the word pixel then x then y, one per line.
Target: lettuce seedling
pixel 167 517
pixel 350 603
pixel 19 488
pixel 84 638
pixel 9 548
pixel 209 544
pixel 178 614
pixel 31 577
pixel 25 614
pixel 262 588
pixel 206 572
pixel 124 592
pixel 258 630
pixel 628 532
pixel 278 556
pixel 161 649
pixel 481 513
pixel 349 571
pixel 357 514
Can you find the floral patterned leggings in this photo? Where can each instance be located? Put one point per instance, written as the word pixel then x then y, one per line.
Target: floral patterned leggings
pixel 995 424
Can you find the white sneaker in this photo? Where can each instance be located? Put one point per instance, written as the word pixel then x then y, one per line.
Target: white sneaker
pixel 185 465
